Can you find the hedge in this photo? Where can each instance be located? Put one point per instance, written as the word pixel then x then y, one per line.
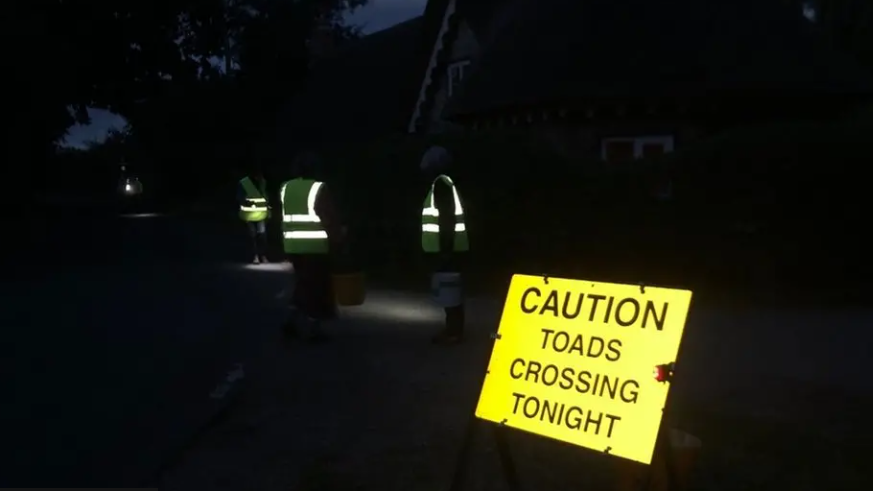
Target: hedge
pixel 756 207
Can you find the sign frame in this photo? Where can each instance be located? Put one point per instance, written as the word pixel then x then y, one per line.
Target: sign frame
pixel 659 452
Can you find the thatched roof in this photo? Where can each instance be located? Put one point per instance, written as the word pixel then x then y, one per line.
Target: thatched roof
pixel 560 51
pixel 482 16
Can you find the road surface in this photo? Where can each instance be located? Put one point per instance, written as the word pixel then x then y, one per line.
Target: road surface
pixel 724 351
pixel 382 408
pixel 114 332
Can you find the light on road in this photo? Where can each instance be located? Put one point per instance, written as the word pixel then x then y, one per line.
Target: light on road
pixel 381 305
pixel 283 267
pixel 395 306
pixel 142 215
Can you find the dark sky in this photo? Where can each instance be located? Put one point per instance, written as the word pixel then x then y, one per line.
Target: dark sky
pixel 378 15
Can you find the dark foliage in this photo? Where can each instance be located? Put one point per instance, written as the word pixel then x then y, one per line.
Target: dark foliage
pixel 198 80
pixel 761 212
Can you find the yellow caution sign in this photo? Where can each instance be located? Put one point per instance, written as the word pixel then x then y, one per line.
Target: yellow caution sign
pixel 577 361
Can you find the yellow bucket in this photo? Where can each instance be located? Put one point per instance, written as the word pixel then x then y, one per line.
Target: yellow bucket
pixel 349 289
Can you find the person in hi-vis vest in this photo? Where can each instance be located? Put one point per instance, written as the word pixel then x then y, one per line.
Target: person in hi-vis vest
pixel 130 184
pixel 311 230
pixel 444 240
pixel 254 209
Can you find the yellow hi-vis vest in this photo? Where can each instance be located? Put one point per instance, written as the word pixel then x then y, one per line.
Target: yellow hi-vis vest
pixel 302 230
pixel 430 227
pixel 255 207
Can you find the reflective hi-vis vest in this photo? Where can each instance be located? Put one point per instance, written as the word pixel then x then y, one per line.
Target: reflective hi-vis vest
pixel 302 230
pixel 255 207
pixel 131 186
pixel 430 227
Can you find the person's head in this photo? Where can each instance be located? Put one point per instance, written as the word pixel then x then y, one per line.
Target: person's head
pixel 435 161
pixel 306 164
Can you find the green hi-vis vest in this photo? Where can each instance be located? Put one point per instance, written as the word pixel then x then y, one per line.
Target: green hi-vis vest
pixel 302 231
pixel 255 207
pixel 430 228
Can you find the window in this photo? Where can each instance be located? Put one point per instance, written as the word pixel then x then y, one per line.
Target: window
pixel 631 148
pixel 456 72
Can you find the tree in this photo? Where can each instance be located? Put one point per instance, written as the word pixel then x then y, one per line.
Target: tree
pixel 74 54
pixel 275 38
pixel 154 63
pixel 199 125
pixel 117 146
pixel 266 50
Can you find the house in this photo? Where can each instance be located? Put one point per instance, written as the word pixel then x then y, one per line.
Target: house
pixel 628 78
pixel 621 79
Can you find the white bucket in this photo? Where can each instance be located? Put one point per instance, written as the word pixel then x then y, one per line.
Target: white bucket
pixel 446 289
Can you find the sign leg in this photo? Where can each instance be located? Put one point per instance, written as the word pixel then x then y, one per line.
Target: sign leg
pixel 663 457
pixel 506 460
pixel 460 474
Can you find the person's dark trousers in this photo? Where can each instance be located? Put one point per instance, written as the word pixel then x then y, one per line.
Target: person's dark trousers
pixel 258 234
pixel 455 320
pixel 313 288
pixel 313 299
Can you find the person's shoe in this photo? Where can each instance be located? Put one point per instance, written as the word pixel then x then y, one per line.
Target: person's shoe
pixel 256 260
pixel 264 260
pixel 446 337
